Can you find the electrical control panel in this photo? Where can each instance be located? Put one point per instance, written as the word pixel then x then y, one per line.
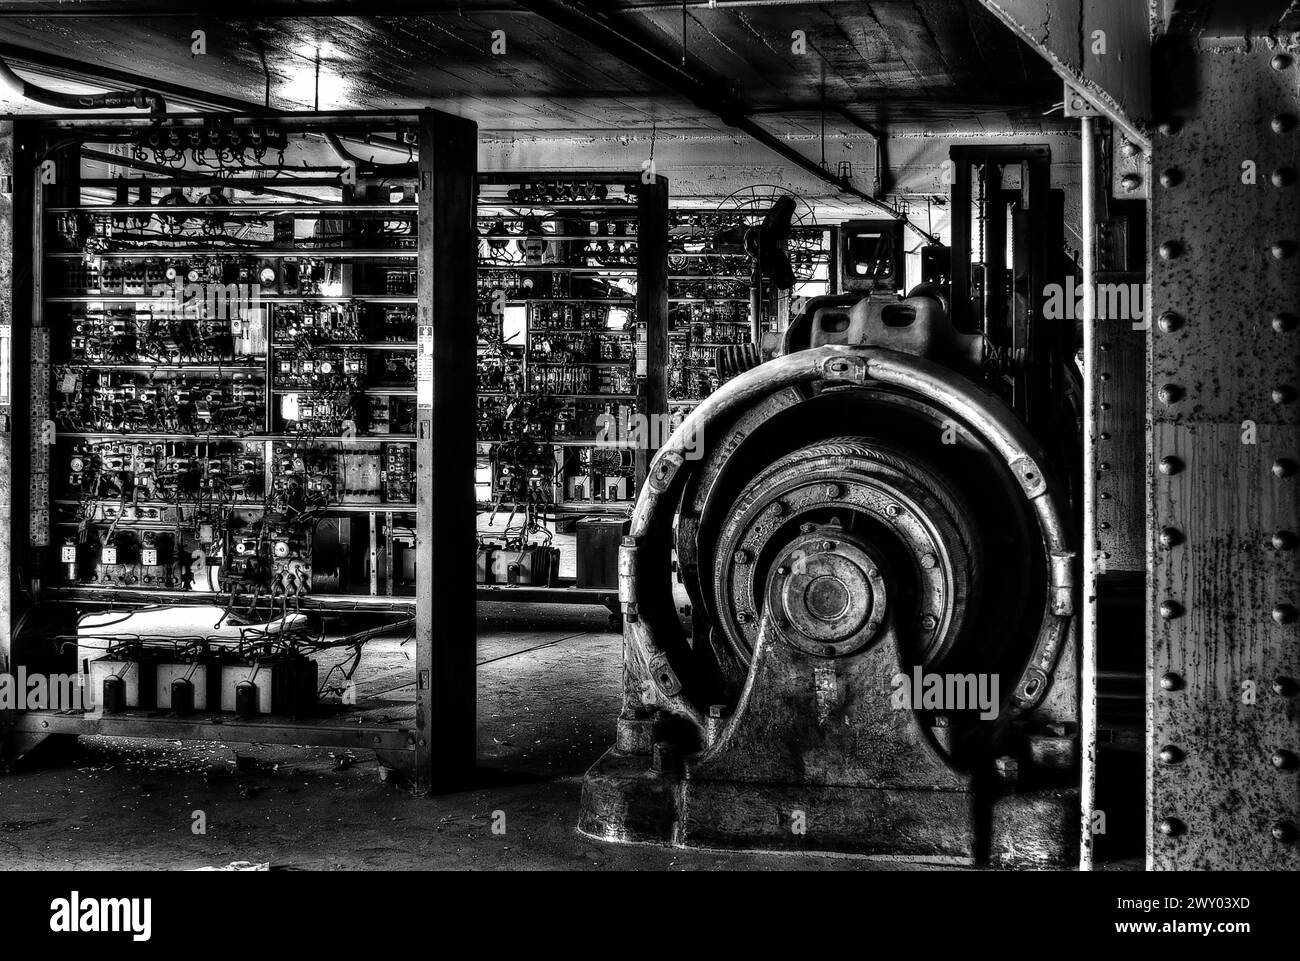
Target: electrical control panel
pixel 228 403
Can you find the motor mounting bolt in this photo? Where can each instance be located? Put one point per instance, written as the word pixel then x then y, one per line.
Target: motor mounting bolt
pixel 741 556
pixel 929 622
pixel 1171 250
pixel 929 562
pixel 783 570
pixel 1169 754
pixel 776 508
pixel 1130 182
pixel 893 510
pixel 1170 465
pixel 744 617
pixel 1170 537
pixel 1170 610
pixel 1280 61
pixel 832 491
pixel 1170 321
pixel 1171 682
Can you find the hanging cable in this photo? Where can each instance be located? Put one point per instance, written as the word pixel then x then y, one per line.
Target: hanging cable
pixel 144 99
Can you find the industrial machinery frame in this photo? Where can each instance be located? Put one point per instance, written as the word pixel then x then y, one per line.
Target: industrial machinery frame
pixel 437 746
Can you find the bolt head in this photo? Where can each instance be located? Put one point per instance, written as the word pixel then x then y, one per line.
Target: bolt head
pixel 1130 182
pixel 1170 465
pixel 1170 393
pixel 783 570
pixel 1171 827
pixel 1283 831
pixel 831 491
pixel 929 622
pixel 1284 323
pixel 1283 540
pixel 741 557
pixel 1170 126
pixel 1284 614
pixel 1171 682
pixel 1282 249
pixel 1170 537
pixel 744 617
pixel 1170 177
pixel 1282 122
pixel 776 508
pixel 1284 686
pixel 1282 177
pixel 929 561
pixel 1284 467
pixel 807 528
pixel 1170 250
pixel 719 710
pixel 1283 394
pixel 1169 754
pixel 1280 61
pixel 893 510
pixel 1170 321
pixel 1283 760
pixel 1170 610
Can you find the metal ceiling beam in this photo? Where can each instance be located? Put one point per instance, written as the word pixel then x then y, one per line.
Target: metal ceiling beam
pixel 594 28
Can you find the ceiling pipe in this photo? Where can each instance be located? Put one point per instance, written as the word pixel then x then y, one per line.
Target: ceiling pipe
pixel 113 100
pixel 589 26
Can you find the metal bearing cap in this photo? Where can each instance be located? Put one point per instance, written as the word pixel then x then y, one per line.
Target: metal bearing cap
pixel 858 522
pixel 829 593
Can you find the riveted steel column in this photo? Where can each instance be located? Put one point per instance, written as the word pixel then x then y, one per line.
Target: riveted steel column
pixel 1223 650
pixel 1088 599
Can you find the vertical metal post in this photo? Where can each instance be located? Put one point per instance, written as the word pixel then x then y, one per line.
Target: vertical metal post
pixel 7 183
pixel 652 306
pixel 1088 600
pixel 446 388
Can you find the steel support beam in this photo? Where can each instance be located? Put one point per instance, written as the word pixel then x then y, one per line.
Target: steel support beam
pixel 1223 654
pixel 446 392
pixel 1102 49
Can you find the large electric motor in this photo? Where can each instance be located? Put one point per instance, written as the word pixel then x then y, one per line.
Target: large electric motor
pixel 878 590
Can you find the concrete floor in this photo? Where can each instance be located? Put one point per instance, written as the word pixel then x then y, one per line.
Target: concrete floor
pixel 548 696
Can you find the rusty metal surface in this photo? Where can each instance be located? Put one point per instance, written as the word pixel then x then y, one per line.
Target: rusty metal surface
pixel 1223 656
pixel 6 379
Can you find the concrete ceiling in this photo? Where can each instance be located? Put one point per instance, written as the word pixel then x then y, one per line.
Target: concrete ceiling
pixel 898 64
